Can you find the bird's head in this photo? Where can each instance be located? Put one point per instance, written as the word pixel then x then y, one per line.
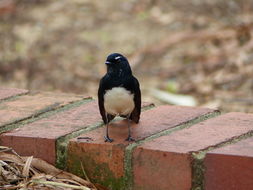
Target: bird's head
pixel 118 65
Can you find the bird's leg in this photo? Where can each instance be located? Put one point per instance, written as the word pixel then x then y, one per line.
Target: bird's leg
pixel 107 138
pixel 129 138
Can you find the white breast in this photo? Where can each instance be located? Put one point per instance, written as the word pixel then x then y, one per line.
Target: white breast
pixel 118 101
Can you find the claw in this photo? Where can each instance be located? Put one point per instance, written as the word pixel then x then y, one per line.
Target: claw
pixel 108 139
pixel 130 139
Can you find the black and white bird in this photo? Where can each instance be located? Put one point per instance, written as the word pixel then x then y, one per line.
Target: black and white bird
pixel 119 93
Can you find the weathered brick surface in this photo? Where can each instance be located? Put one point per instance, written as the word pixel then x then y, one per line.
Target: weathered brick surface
pixel 162 163
pixel 161 170
pixel 149 159
pixel 41 135
pixel 230 167
pixel 32 104
pixel 10 92
pixel 105 161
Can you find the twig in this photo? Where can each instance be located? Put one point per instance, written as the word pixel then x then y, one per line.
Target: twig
pixel 27 166
pixel 16 172
pixel 59 184
pixel 5 149
pixel 60 172
pixel 84 173
pixel 13 187
pixel 86 176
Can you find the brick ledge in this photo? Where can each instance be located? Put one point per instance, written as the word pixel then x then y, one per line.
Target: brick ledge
pixel 176 147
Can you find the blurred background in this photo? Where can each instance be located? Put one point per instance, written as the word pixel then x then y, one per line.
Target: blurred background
pixel 195 52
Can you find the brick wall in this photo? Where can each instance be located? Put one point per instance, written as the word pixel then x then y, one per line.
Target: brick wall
pixel 176 147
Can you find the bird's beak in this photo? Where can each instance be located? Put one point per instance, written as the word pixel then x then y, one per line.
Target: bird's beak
pixel 108 63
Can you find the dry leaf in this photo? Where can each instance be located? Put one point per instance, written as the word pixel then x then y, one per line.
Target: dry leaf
pixel 27 172
pixel 27 166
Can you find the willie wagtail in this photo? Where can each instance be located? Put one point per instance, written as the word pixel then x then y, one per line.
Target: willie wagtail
pixel 119 93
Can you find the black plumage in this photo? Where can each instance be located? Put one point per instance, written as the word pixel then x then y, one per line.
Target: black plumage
pixel 119 93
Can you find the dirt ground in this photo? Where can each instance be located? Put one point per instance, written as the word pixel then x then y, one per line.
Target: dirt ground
pixel 199 48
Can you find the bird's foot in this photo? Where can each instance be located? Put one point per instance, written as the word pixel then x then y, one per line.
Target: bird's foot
pixel 108 139
pixel 130 139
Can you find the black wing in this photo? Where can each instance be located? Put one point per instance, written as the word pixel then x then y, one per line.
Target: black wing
pixel 101 92
pixel 135 115
pixel 103 86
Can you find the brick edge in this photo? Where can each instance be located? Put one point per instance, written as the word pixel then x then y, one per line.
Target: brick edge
pixel 128 165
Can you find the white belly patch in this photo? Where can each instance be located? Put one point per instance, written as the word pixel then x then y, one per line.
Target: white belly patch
pixel 118 101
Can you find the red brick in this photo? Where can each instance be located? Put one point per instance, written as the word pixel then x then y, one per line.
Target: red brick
pixel 161 170
pixel 10 92
pixel 41 135
pixel 175 149
pixel 230 167
pixel 32 104
pixel 39 138
pixel 109 157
